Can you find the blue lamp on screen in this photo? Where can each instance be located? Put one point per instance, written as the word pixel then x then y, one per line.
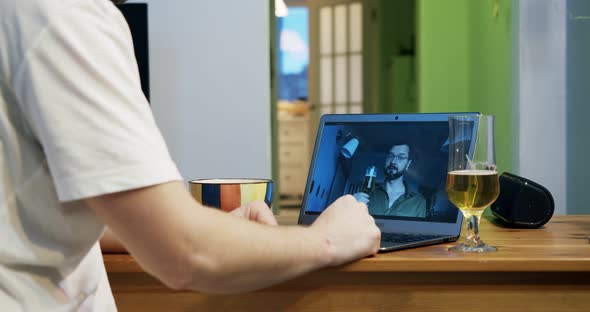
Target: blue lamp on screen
pixel 349 148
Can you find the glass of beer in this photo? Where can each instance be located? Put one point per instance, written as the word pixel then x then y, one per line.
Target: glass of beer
pixel 472 179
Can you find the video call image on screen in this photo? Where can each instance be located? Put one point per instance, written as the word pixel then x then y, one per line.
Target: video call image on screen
pixel 400 167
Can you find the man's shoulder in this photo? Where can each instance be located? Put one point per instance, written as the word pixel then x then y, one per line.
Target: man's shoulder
pixel 416 194
pixel 31 16
pixel 38 9
pixel 23 21
pixel 417 197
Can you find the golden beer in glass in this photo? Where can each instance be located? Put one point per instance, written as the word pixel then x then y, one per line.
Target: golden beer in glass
pixel 472 190
pixel 472 179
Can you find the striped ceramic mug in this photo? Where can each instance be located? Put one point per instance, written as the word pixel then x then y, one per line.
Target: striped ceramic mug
pixel 229 194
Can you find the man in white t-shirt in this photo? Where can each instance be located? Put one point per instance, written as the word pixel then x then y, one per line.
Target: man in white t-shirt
pixel 79 149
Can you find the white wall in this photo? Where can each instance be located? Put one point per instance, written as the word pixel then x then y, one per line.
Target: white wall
pixel 210 84
pixel 578 110
pixel 541 95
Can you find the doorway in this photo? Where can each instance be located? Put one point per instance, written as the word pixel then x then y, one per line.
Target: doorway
pixel 359 59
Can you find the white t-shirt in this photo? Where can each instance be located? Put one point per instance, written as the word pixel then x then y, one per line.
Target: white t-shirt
pixel 74 123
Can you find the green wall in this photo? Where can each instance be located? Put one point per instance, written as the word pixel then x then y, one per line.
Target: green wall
pixel 389 35
pixel 464 62
pixel 442 52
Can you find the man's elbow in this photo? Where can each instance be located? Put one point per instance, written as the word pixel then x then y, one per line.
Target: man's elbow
pixel 201 273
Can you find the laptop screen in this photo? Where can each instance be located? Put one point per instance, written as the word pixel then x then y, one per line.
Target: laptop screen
pixel 398 167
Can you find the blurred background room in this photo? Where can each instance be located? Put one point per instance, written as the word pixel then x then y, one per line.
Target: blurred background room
pixel 238 87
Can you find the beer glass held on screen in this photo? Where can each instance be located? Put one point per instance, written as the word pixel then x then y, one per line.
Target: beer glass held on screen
pixel 472 179
pixel 369 180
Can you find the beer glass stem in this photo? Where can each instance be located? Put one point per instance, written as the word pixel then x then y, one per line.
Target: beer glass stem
pixel 472 237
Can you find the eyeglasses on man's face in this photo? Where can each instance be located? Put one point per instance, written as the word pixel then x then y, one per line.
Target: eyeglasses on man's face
pixel 398 157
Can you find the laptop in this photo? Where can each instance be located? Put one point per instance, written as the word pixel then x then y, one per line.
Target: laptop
pixel 399 162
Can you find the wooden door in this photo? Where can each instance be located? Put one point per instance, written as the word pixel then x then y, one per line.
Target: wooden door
pixel 336 58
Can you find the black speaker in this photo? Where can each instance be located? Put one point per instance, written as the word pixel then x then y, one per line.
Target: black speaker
pixel 522 203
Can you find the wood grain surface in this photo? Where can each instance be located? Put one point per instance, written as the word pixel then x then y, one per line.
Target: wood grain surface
pixel 546 269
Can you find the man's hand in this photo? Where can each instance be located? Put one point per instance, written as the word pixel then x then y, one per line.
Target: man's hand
pixel 256 211
pixel 362 197
pixel 188 246
pixel 348 229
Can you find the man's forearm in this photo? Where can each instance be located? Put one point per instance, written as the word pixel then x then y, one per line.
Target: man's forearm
pixel 262 257
pixel 190 246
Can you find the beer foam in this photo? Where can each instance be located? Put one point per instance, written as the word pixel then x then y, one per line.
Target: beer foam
pixel 474 172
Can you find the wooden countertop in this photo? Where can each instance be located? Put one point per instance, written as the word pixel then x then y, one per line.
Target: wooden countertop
pixel 562 245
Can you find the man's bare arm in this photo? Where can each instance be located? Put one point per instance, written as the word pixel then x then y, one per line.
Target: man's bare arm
pixel 109 243
pixel 189 246
pixel 256 211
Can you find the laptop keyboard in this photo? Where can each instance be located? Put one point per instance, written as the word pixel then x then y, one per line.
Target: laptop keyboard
pixel 405 238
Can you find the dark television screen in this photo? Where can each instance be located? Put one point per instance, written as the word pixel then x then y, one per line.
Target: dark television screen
pixel 137 18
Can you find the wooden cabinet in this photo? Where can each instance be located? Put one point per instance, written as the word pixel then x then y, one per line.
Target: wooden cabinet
pixel 294 157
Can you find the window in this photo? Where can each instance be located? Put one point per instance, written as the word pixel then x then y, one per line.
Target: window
pixel 340 64
pixel 293 54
